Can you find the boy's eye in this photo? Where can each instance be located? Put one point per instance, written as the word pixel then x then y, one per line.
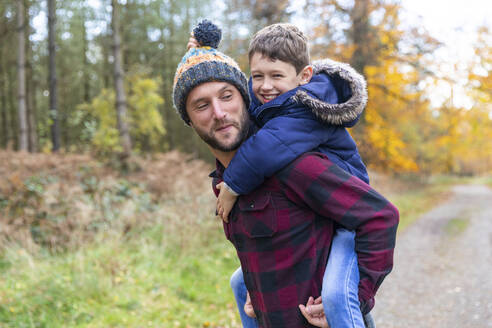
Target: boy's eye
pixel 277 76
pixel 256 76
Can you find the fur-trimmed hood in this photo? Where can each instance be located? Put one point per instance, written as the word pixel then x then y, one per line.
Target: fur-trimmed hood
pixel 329 78
pixel 351 90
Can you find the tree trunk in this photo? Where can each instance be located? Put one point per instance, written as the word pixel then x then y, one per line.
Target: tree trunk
pixel 105 41
pixel 21 90
pixel 31 118
pixel 55 126
pixel 365 53
pixel 87 86
pixel 31 109
pixel 13 116
pixel 361 36
pixel 168 69
pixel 3 92
pixel 121 114
pixel 3 102
pixel 34 118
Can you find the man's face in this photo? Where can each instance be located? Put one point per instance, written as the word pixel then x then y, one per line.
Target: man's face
pixel 218 114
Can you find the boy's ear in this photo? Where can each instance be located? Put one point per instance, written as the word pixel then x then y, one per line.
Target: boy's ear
pixel 306 74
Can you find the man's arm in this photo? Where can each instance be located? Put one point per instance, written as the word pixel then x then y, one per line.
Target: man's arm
pixel 314 181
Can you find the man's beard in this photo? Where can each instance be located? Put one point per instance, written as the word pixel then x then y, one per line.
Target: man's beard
pixel 211 140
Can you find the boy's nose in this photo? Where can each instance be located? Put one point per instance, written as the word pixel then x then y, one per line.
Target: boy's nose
pixel 266 85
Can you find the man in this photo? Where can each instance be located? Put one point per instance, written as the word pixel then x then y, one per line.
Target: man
pixel 283 230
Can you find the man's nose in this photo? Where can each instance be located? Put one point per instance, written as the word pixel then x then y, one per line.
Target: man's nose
pixel 218 109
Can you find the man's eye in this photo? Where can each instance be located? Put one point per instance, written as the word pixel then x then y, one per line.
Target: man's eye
pixel 201 106
pixel 226 96
pixel 277 76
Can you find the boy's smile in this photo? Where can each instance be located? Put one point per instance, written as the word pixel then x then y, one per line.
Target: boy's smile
pixel 271 78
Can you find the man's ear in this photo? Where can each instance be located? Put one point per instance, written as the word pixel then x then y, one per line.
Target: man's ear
pixel 306 74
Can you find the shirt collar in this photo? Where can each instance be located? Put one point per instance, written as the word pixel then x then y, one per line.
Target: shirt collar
pixel 219 170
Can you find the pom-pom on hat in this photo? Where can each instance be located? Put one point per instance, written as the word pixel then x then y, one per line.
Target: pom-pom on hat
pixel 207 34
pixel 205 64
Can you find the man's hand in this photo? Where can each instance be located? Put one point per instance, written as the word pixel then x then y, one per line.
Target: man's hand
pixel 248 307
pixel 225 202
pixel 314 313
pixel 192 42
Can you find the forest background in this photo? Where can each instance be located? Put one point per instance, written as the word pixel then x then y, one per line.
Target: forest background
pixel 66 97
pixel 106 214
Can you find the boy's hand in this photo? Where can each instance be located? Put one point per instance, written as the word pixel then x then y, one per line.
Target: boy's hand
pixel 192 42
pixel 225 202
pixel 314 313
pixel 248 307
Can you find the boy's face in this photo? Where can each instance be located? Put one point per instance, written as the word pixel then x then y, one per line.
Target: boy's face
pixel 271 78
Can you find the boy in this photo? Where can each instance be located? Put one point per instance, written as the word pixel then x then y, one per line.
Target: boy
pixel 283 95
pixel 300 108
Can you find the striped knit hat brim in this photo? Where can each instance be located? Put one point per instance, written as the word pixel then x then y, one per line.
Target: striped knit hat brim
pixel 206 64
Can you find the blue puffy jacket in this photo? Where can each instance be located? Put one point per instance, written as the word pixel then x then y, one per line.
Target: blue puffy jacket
pixel 310 117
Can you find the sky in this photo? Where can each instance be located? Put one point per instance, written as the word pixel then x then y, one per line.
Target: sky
pixel 454 23
pixel 443 16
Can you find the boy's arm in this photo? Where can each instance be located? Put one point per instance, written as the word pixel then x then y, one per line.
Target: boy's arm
pixel 314 181
pixel 219 188
pixel 276 144
pixel 225 201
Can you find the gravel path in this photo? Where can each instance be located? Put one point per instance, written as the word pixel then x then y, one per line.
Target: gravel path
pixel 443 267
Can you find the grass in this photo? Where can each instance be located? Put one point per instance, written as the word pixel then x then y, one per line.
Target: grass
pixel 118 283
pixel 415 202
pixel 456 226
pixel 485 180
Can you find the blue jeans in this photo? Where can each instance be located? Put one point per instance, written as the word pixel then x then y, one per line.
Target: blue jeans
pixel 239 290
pixel 339 291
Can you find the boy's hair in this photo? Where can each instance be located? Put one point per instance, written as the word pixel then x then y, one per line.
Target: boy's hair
pixel 281 41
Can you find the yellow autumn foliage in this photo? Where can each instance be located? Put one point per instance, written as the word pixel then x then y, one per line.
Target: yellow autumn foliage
pixel 400 132
pixel 145 121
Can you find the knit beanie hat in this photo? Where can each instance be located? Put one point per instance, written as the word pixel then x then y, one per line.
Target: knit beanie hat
pixel 205 64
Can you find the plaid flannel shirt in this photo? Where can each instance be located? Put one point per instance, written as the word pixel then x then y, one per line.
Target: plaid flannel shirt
pixel 283 231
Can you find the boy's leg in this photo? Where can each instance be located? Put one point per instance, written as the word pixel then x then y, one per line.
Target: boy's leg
pixel 340 283
pixel 369 321
pixel 240 291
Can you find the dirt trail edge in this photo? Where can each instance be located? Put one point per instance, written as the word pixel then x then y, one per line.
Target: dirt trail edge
pixel 443 267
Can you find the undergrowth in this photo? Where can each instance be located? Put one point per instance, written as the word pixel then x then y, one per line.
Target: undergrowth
pixel 85 246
